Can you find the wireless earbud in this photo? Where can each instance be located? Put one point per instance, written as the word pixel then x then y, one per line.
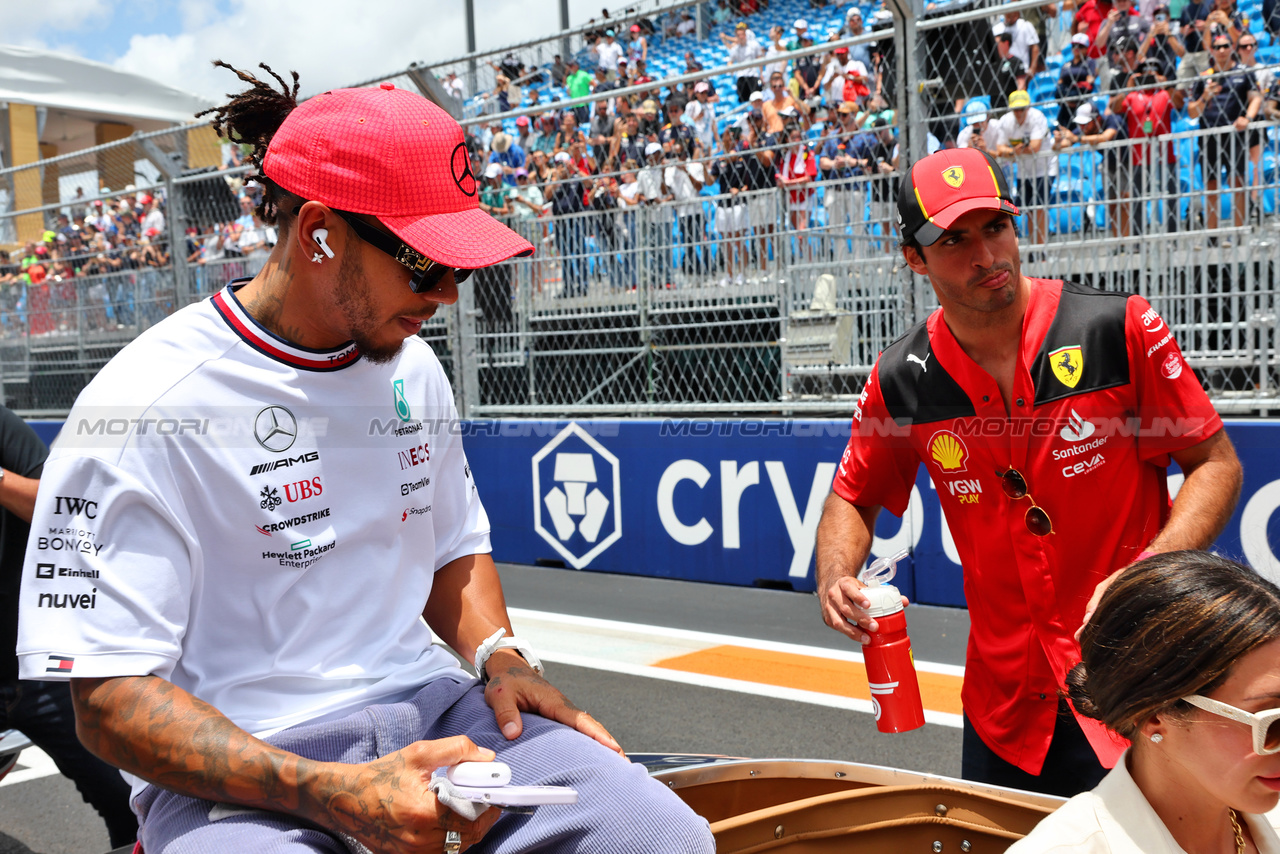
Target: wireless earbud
pixel 319 236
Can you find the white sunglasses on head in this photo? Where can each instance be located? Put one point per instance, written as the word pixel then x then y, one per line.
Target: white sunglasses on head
pixel 1266 725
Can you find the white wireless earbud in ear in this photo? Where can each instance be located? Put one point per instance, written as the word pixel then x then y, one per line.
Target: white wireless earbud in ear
pixel 319 236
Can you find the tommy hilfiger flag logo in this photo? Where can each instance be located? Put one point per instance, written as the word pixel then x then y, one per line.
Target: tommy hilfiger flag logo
pixel 59 664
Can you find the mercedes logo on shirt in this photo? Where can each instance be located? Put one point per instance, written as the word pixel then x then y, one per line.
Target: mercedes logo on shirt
pixel 275 428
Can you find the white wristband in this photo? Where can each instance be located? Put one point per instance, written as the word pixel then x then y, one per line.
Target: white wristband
pixel 495 642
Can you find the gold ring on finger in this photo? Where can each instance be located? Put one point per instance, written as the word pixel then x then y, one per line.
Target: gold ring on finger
pixel 452 842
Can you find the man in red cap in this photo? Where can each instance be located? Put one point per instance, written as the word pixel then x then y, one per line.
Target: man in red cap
pixel 282 513
pixel 1045 413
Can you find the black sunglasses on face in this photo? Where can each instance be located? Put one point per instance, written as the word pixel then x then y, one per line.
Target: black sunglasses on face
pixel 426 274
pixel 1015 486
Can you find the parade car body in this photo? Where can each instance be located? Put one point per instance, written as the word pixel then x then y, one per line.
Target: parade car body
pixel 811 806
pixel 788 806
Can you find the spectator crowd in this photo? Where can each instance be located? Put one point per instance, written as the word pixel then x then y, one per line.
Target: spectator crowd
pixel 55 284
pixel 819 130
pixel 668 184
pixel 95 267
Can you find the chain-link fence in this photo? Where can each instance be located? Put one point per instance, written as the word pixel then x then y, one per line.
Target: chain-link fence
pixel 656 293
pixel 494 81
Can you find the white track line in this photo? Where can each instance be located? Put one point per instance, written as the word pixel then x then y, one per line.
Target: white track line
pixel 662 633
pixel 33 763
pixel 759 689
pixel 630 648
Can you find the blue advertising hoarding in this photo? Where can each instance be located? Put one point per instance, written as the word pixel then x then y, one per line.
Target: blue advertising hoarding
pixel 738 501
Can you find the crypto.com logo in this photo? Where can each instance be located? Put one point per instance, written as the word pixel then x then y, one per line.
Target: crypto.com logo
pixel 583 484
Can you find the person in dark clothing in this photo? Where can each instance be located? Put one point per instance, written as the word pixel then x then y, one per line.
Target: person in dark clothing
pixel 603 198
pixel 730 172
pixel 675 134
pixel 628 144
pixel 1162 42
pixel 1075 81
pixel 1011 74
pixel 759 162
pixel 884 186
pixel 1093 129
pixel 510 67
pixel 567 198
pixel 1124 62
pixel 1271 17
pixel 650 124
pixel 841 161
pixel 1201 21
pixel 600 135
pixel 43 711
pixel 1228 98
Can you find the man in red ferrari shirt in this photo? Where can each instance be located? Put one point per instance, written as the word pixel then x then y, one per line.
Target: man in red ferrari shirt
pixel 1093 13
pixel 1046 413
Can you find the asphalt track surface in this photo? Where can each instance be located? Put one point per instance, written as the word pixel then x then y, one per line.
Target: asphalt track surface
pixel 46 816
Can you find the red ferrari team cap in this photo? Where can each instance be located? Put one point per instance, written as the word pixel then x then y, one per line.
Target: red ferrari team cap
pixel 395 155
pixel 946 185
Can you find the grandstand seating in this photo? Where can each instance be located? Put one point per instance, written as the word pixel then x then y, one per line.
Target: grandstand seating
pixel 666 55
pixel 667 59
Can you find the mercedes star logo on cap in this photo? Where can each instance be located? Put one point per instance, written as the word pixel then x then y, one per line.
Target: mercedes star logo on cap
pixel 275 428
pixel 462 170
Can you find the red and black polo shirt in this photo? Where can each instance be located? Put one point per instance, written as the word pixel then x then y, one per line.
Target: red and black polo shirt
pixel 1101 398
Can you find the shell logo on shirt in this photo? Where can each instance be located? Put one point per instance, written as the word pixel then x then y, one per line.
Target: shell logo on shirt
pixel 1067 364
pixel 948 451
pixel 954 176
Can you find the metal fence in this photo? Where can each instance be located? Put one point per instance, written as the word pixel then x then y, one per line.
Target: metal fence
pixel 777 301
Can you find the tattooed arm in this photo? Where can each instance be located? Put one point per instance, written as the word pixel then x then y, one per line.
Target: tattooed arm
pixel 155 730
pixel 465 607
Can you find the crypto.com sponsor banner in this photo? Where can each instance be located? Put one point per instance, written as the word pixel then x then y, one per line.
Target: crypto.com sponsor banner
pixel 738 502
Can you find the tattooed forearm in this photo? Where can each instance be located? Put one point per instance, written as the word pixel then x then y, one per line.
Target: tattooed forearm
pixel 151 728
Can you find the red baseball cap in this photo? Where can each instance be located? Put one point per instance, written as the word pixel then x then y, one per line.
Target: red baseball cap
pixel 395 155
pixel 945 186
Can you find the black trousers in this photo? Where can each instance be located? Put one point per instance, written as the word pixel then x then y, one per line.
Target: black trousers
pixel 692 232
pixel 1071 766
pixel 44 713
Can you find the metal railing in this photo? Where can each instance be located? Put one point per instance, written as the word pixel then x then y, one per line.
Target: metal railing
pixel 777 301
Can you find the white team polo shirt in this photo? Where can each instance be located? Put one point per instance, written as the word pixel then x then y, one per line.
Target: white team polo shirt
pixel 256 522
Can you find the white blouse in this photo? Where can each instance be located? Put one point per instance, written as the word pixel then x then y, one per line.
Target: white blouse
pixel 1115 818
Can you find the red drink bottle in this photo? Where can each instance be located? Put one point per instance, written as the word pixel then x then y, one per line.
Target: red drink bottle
pixel 891 669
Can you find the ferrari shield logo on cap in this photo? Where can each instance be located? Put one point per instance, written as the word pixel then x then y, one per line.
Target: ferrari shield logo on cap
pixel 954 176
pixel 1067 364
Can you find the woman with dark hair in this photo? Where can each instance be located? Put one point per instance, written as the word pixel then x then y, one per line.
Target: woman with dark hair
pixel 1182 657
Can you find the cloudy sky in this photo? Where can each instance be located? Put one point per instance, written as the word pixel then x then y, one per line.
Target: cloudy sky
pixel 328 42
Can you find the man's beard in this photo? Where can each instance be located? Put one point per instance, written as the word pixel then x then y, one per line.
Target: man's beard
pixel 353 301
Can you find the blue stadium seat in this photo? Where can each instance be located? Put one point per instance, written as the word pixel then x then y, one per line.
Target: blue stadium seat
pixel 1043 87
pixel 1068 197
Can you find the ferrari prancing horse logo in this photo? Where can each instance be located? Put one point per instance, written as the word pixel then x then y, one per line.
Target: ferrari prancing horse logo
pixel 954 176
pixel 1067 364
